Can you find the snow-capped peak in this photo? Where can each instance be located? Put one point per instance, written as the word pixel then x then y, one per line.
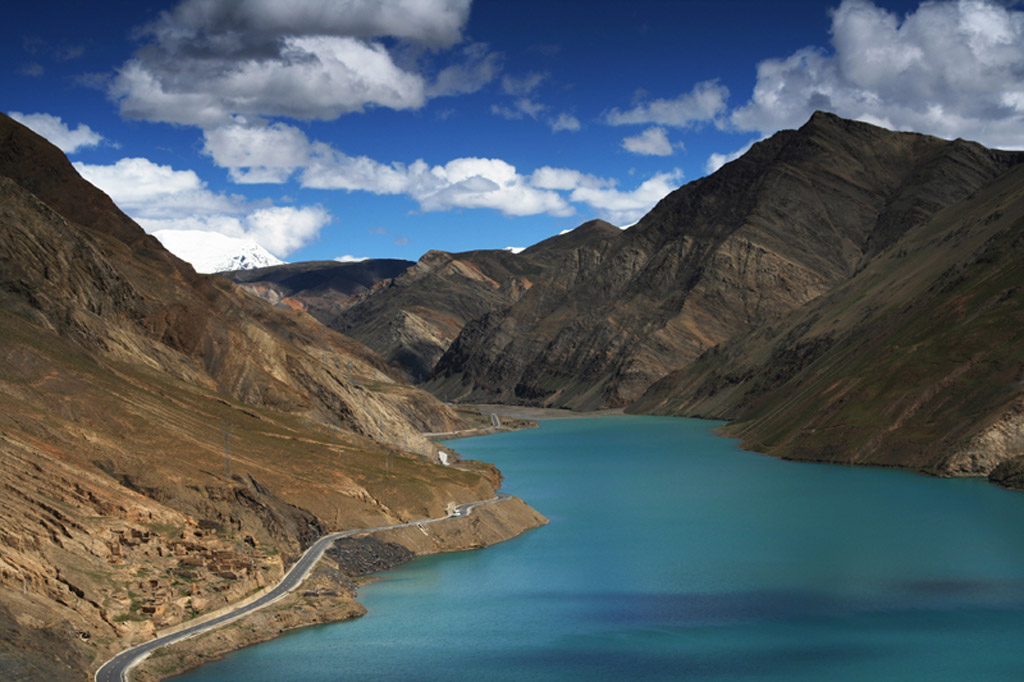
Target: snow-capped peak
pixel 215 252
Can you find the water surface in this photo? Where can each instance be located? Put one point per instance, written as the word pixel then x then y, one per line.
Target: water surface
pixel 673 555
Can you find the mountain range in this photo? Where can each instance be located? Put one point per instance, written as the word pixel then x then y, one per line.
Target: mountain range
pixel 768 294
pixel 171 442
pixel 839 293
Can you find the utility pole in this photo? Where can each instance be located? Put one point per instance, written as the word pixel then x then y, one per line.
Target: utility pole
pixel 227 428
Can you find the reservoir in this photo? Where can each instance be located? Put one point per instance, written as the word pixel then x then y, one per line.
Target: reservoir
pixel 674 555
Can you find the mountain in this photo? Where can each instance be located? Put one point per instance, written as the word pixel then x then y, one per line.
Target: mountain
pixel 171 442
pixel 321 288
pixel 411 312
pixel 797 215
pixel 211 252
pixel 914 362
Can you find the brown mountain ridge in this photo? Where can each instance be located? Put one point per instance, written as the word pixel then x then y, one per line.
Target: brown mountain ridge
pixel 170 442
pixel 797 215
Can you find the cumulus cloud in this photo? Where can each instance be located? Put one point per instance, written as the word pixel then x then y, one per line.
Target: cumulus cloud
pixel 602 194
pixel 460 183
pixel 953 69
pixel 472 182
pixel 566 179
pixel 651 142
pixel 491 183
pixel 257 152
pixel 704 103
pixel 162 198
pixel 623 208
pixel 207 60
pixel 59 133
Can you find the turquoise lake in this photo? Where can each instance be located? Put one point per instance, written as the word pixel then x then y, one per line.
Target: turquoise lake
pixel 673 555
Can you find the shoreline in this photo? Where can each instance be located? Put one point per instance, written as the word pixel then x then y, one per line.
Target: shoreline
pixel 517 418
pixel 329 595
pixel 525 412
pixel 334 602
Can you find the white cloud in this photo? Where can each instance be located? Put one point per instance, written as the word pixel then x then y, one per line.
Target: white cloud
pixel 208 60
pixel 57 132
pixel 485 183
pixel 460 183
pixel 547 177
pixel 162 198
pixel 705 102
pixel 565 122
pixel 285 229
pixel 259 152
pixel 347 258
pixel 953 69
pixel 138 184
pixel 651 142
pixel 716 160
pixel 622 208
pixel 490 183
pixel 614 205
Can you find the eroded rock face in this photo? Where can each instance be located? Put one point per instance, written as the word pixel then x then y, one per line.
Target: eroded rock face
pixel 991 447
pixel 794 217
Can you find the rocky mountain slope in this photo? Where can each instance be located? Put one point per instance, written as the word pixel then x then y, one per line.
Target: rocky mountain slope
pixel 170 442
pixel 917 361
pixel 412 315
pixel 321 288
pixel 797 215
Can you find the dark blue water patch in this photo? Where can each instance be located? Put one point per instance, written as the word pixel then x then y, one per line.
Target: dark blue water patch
pixel 673 555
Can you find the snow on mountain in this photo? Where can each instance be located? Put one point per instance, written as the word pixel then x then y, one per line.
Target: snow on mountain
pixel 215 252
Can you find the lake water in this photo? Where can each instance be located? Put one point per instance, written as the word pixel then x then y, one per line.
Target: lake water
pixel 673 555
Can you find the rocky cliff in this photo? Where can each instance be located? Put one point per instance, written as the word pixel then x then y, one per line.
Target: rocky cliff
pixel 794 217
pixel 171 442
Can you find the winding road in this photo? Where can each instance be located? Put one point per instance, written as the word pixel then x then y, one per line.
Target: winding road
pixel 118 667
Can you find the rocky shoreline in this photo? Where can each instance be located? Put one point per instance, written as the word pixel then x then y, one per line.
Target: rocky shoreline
pixel 328 595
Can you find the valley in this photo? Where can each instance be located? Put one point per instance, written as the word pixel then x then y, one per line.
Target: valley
pixel 175 441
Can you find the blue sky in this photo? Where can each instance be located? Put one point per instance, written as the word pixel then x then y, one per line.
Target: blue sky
pixel 379 128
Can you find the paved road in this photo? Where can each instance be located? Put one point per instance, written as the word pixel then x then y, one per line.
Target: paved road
pixel 117 668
